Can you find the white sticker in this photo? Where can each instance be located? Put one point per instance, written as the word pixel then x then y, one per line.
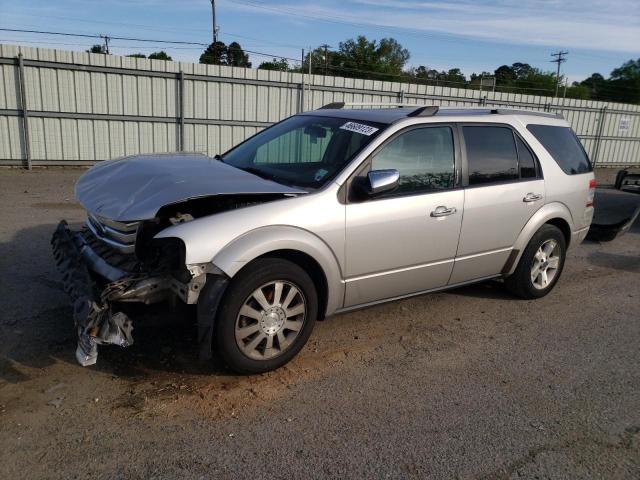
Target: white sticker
pixel 359 128
pixel 624 126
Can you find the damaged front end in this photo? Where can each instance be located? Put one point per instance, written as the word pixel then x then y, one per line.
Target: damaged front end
pixel 100 278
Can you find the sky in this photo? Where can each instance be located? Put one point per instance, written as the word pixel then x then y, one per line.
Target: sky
pixel 472 35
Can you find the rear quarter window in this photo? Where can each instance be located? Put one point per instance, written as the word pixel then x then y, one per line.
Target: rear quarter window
pixel 563 145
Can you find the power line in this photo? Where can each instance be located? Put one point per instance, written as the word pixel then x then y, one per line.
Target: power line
pixel 178 44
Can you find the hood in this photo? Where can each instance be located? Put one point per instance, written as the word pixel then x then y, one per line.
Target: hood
pixel 135 188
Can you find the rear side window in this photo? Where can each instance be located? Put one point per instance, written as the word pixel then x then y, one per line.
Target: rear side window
pixel 491 155
pixel 563 145
pixel 527 163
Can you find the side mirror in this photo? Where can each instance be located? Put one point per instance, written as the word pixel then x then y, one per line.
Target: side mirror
pixel 379 181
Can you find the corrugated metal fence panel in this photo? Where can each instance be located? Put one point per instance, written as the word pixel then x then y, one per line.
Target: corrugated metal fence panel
pixel 89 107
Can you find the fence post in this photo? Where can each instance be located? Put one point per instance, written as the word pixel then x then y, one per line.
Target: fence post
pixel 25 111
pixel 181 118
pixel 596 150
pixel 301 105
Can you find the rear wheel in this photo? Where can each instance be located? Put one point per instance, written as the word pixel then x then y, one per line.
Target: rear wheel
pixel 267 316
pixel 540 265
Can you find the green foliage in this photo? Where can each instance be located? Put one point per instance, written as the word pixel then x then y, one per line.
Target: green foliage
pixel 386 60
pixel 361 58
pixel 97 49
pixel 161 55
pixel 278 65
pixel 236 56
pixel 221 54
pixel 624 82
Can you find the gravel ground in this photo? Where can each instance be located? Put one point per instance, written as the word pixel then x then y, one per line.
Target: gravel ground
pixel 470 383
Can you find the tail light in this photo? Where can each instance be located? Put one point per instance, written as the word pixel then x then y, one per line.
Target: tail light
pixel 592 192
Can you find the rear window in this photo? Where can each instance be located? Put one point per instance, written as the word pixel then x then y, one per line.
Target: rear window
pixel 563 145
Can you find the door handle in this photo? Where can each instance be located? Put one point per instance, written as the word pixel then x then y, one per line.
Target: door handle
pixel 531 197
pixel 443 211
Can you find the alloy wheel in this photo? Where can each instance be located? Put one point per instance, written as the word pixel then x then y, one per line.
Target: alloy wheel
pixel 270 319
pixel 545 264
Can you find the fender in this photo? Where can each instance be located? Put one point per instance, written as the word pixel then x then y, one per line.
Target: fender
pixel 542 216
pixel 249 246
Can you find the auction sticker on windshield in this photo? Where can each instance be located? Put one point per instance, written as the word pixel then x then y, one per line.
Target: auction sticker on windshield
pixel 359 128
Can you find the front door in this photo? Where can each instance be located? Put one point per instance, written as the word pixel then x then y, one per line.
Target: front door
pixel 405 241
pixel 504 190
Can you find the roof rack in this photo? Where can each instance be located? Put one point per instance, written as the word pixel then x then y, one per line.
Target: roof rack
pixel 431 110
pixel 419 110
pixel 515 111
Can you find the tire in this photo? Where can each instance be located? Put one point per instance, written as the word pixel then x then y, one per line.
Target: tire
pixel 265 338
pixel 522 282
pixel 620 176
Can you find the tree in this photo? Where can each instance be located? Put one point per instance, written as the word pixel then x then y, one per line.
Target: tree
pixel 505 74
pixel 161 55
pixel 624 82
pixel 454 75
pixel 215 54
pixel 97 49
pixel 137 55
pixel 236 56
pixel 361 58
pixel 576 90
pixel 221 54
pixel 279 65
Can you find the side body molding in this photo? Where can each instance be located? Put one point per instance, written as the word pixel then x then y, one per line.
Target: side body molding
pixel 542 216
pixel 240 251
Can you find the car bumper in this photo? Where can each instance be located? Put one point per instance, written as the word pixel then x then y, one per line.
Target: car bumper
pixel 95 288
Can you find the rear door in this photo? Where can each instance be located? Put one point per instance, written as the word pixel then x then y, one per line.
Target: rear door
pixel 504 188
pixel 405 241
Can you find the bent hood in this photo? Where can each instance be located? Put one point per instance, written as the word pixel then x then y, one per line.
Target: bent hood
pixel 135 188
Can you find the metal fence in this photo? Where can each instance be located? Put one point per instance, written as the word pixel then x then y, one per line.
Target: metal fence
pixel 71 108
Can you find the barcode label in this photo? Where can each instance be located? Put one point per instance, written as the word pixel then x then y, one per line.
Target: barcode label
pixel 359 128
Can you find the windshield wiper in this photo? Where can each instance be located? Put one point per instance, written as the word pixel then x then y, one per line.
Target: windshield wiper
pixel 218 157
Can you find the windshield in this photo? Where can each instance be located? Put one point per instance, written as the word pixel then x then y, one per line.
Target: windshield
pixel 304 150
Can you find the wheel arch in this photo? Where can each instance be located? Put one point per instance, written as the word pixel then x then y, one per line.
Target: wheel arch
pixel 556 214
pixel 294 244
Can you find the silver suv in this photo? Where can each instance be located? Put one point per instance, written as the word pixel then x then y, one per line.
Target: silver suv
pixel 325 212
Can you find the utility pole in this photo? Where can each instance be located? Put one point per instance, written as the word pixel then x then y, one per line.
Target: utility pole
pixel 106 39
pixel 213 21
pixel 559 59
pixel 326 57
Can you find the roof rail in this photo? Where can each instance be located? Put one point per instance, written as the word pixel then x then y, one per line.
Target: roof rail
pixel 339 105
pixel 426 111
pixel 419 110
pixel 515 111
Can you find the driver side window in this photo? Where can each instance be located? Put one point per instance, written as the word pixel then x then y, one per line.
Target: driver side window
pixel 424 157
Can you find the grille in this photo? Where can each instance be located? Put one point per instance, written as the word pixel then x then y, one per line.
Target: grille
pixel 119 235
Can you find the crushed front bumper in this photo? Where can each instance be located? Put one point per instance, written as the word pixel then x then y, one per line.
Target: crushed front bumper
pixel 94 285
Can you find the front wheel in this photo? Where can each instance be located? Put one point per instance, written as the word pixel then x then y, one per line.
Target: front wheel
pixel 540 265
pixel 267 316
